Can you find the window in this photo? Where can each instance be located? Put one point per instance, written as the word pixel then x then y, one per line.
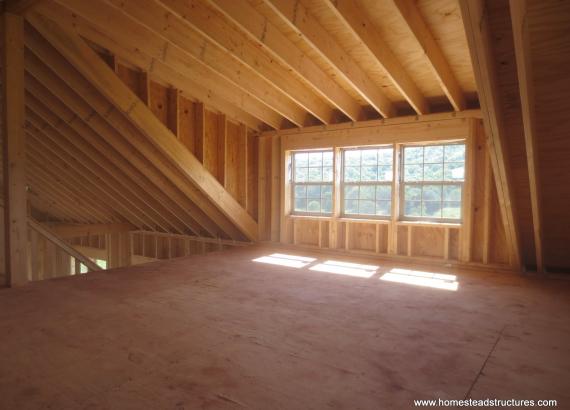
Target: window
pixel 312 182
pixel 367 182
pixel 432 182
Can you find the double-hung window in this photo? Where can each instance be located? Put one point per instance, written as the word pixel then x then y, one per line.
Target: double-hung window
pixel 312 182
pixel 431 182
pixel 367 182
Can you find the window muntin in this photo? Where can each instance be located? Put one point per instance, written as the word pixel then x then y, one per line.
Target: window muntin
pixel 312 182
pixel 367 182
pixel 432 180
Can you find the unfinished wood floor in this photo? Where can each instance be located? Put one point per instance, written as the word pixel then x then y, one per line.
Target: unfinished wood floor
pixel 220 331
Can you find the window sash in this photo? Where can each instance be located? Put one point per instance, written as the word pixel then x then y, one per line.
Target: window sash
pixel 343 183
pixel 321 198
pixel 363 215
pixel 423 182
pixel 421 201
pixel 295 183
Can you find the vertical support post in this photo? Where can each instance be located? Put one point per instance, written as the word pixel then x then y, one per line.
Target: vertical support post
pixel 14 151
pixel 410 231
pixel 222 150
pixel 275 187
pixel 200 127
pixel 467 226
pixel 395 211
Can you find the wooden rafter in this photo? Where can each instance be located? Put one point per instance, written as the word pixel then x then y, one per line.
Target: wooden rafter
pixel 195 15
pixel 479 40
pixel 526 89
pixel 96 115
pixel 184 72
pixel 281 48
pixel 86 61
pixel 306 25
pixel 188 47
pixel 433 53
pixel 357 22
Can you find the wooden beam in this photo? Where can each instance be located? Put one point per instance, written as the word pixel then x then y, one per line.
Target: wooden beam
pixel 306 26
pixel 190 77
pixel 64 246
pixel 81 123
pixel 437 61
pixel 357 22
pixel 219 31
pixel 14 150
pixel 271 39
pixel 526 89
pixel 183 42
pixel 77 230
pixel 86 61
pixel 479 40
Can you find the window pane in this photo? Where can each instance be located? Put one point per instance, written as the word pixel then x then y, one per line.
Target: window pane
pixel 301 159
pixel 452 193
pixel 433 153
pixel 366 207
pixel 413 155
pixel 370 157
pixel 431 193
pixel 351 192
pixel 314 205
pixel 385 173
pixel 327 174
pixel 367 192
pixel 352 157
pixel 328 158
pixel 351 206
pixel 327 205
pixel 300 204
pixel 326 191
pixel 301 174
pixel 300 191
pixel 315 159
pixel 383 208
pixel 452 210
pixel 352 174
pixel 412 208
pixel 413 173
pixel 454 171
pixel 385 156
pixel 315 174
pixel 384 192
pixel 314 191
pixel 369 173
pixel 413 193
pixel 431 209
pixel 433 172
pixel 455 153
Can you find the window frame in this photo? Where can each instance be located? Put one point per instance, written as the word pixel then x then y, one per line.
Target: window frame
pixel 343 183
pixel 293 183
pixel 402 185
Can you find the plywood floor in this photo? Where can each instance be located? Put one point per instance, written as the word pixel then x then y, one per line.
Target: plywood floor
pixel 220 331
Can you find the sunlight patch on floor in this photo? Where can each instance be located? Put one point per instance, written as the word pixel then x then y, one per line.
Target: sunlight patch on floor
pixel 419 278
pixel 346 268
pixel 291 261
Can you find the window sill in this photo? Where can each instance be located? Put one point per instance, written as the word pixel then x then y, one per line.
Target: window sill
pixel 429 223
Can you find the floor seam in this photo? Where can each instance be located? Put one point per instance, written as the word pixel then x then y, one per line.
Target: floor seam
pixel 468 394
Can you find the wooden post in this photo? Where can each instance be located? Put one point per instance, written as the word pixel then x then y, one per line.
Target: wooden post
pixel 14 151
